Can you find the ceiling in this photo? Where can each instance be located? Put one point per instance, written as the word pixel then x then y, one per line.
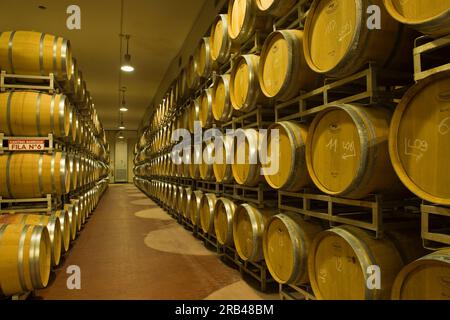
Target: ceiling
pixel 158 30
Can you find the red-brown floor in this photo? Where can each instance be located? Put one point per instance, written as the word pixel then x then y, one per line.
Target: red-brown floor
pixel 131 249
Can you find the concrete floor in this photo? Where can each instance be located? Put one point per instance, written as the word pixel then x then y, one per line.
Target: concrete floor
pixel 132 249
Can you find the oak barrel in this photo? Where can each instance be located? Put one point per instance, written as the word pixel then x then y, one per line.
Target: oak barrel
pixel 431 17
pixel 51 222
pixel 427 278
pixel 339 43
pixel 206 109
pixel 33 175
pixel 283 72
pixel 30 113
pixel 203 58
pixel 194 207
pixel 224 210
pixel 286 243
pixel 419 140
pixel 35 53
pixel 223 160
pixel 249 224
pixel 347 152
pixel 277 8
pixel 222 108
pixel 72 211
pixel 207 205
pixel 25 259
pixel 292 174
pixel 206 167
pixel 246 165
pixel 186 200
pixel 220 40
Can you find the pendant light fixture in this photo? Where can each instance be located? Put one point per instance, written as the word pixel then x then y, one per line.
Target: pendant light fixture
pixel 126 64
pixel 123 107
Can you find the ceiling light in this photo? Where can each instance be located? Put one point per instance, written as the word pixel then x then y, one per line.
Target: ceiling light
pixel 123 109
pixel 122 127
pixel 126 64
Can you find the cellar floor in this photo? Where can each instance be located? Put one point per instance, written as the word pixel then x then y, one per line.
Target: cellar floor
pixel 132 249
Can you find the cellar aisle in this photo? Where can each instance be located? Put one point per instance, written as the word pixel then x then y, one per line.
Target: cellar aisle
pixel 131 249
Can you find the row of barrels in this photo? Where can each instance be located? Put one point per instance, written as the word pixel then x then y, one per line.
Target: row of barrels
pixel 37 114
pixel 31 244
pixel 336 262
pixel 40 54
pixel 32 175
pixel 348 150
pixel 293 59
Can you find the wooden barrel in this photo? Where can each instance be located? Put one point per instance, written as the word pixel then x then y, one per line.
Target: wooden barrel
pixel 192 78
pixel 51 222
pixel 429 17
pixel 243 20
pixel 183 89
pixel 207 205
pixel 292 174
pixel 186 200
pixel 194 114
pixel 74 170
pixel 78 211
pixel 223 221
pixel 277 8
pixel 72 211
pixel 245 92
pixel 194 207
pixel 222 166
pixel 35 53
pixel 33 175
pixel 286 244
pixel 203 58
pixel 222 108
pixel 220 40
pixel 246 166
pixel 347 152
pixel 249 224
pixel 25 258
pixel 339 43
pixel 206 109
pixel 206 167
pixel 30 113
pixel 340 259
pixel 424 279
pixel 64 221
pixel 283 72
pixel 419 140
pixel 179 200
pixel 196 159
pixel 73 125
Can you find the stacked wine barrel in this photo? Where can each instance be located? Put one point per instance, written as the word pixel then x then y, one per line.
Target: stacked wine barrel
pixel 73 174
pixel 395 150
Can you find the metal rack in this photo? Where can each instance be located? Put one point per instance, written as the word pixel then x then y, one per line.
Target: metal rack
pixel 435 237
pixel 293 292
pixel 423 51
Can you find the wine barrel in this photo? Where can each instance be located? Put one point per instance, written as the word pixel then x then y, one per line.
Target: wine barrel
pixel 341 258
pixel 179 204
pixel 74 169
pixel 30 113
pixel 64 221
pixel 243 20
pixel 186 200
pixel 292 173
pixel 79 212
pixel 206 167
pixel 194 114
pixel 207 204
pixel 194 207
pixel 35 53
pixel 347 152
pixel 206 109
pixel 339 43
pixel 25 258
pixel 222 108
pixel 33 175
pixel 245 92
pixel 72 211
pixel 196 159
pixel 203 58
pixel 429 17
pixel 192 78
pixel 249 224
pixel 424 279
pixel 277 8
pixel 419 140
pixel 183 89
pixel 222 166
pixel 223 221
pixel 286 243
pixel 283 72
pixel 73 126
pixel 246 166
pixel 51 222
pixel 220 41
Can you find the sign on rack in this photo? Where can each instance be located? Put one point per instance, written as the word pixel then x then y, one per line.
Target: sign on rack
pixel 26 145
